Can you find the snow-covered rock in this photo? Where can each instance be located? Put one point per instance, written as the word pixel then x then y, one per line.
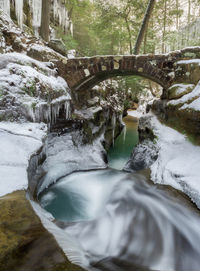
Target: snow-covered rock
pixel 18 142
pixel 178 160
pixel 63 158
pixel 142 157
pixel 188 97
pixel 178 90
pixel 13 39
pixel 30 90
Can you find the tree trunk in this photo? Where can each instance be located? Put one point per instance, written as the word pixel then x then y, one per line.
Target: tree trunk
pixel 144 26
pixel 129 34
pixel 177 15
pixel 189 11
pixel 145 43
pixel 164 26
pixel 44 29
pixel 189 20
pixel 152 36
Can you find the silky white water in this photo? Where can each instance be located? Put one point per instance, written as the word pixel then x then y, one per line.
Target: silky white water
pixel 123 223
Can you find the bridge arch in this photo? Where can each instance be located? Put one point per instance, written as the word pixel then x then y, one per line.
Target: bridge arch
pixel 83 73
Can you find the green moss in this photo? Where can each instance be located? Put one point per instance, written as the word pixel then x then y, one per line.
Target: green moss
pixel 30 88
pixel 25 244
pixel 189 55
pixel 87 132
pixel 34 105
pixel 180 126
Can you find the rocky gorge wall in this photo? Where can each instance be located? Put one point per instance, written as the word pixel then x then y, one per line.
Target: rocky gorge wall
pixel 37 113
pixel 181 106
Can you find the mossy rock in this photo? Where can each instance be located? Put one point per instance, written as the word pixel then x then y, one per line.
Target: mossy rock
pixel 25 244
pixel 178 90
pixel 58 46
pixel 187 72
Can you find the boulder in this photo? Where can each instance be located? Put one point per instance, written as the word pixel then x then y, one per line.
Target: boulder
pixel 58 45
pixel 25 243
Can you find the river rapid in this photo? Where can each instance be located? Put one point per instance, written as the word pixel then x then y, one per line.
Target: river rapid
pixel 121 221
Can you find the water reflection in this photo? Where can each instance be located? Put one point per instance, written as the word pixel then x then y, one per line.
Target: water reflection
pixel 119 154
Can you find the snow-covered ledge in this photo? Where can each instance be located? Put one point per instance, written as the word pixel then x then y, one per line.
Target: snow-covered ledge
pixel 18 142
pixel 178 159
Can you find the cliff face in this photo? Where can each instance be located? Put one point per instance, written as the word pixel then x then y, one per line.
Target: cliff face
pixel 181 108
pixel 28 13
pixel 37 112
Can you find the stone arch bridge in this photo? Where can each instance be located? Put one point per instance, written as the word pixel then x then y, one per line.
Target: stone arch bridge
pixel 84 73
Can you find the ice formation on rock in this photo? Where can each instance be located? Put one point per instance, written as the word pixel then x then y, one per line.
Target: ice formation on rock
pixel 18 142
pixel 5 6
pixel 113 128
pixel 42 111
pixel 19 11
pixel 61 13
pixel 38 93
pixel 37 14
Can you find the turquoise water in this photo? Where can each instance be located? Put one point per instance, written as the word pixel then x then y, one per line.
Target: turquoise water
pixel 119 154
pixel 120 222
pixel 81 196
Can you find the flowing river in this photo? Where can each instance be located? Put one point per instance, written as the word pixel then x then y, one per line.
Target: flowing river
pixel 123 222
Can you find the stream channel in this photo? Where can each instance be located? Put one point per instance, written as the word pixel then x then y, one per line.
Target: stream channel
pixel 121 220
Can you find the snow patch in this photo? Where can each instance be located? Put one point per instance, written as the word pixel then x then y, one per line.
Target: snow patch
pixel 64 158
pixel 188 97
pixel 181 88
pixel 17 143
pixel 195 105
pixel 190 61
pixel 178 161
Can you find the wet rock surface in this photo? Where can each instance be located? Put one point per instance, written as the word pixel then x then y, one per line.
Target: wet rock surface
pixel 25 244
pixel 142 157
pixel 146 152
pixel 180 108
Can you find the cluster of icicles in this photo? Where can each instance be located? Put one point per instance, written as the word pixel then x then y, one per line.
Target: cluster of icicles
pixel 58 7
pixel 48 113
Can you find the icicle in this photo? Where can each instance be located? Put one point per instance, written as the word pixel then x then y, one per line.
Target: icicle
pixel 28 106
pixel 19 11
pixel 60 13
pixel 113 128
pixel 53 113
pixel 49 114
pixel 71 28
pixel 5 6
pixel 67 109
pixel 37 14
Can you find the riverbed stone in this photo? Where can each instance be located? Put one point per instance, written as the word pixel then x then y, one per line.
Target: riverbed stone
pixel 142 157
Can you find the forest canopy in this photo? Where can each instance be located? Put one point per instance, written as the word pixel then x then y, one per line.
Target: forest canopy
pixel 111 27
